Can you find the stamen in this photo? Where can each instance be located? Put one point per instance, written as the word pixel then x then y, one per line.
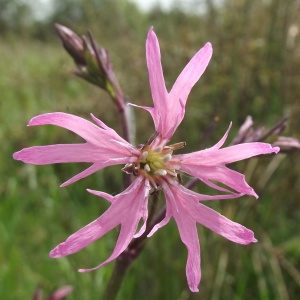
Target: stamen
pixel 144 155
pixel 128 169
pixel 177 145
pixel 161 172
pixel 157 149
pixel 167 158
pixel 147 168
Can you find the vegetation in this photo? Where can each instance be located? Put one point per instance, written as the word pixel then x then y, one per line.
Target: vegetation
pixel 254 71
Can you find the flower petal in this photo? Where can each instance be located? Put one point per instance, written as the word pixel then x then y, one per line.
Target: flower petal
pixel 174 102
pixel 179 93
pixel 162 223
pixel 85 129
pixel 191 74
pixel 60 153
pixel 126 210
pixel 189 236
pixel 188 201
pixel 184 206
pixel 125 237
pixel 230 230
pixel 90 170
pixel 104 147
pixel 106 196
pixel 209 164
pixel 156 79
pixel 221 142
pixel 80 126
pixel 221 174
pixel 213 157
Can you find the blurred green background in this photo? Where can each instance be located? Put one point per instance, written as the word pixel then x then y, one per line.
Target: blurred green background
pixel 254 71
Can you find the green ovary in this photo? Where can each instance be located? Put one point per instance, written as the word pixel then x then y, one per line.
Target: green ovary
pixel 152 161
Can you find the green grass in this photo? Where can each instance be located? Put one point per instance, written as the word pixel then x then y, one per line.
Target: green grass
pixel 35 214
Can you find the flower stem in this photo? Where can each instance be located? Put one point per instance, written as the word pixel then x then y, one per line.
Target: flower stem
pixel 114 285
pixel 126 258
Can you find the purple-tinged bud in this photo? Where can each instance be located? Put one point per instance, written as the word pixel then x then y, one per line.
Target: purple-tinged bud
pixel 287 144
pixel 93 63
pixel 247 133
pixel 61 293
pixel 244 130
pixel 72 43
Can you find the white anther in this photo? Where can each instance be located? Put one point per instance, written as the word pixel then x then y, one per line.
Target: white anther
pixel 157 149
pixel 144 155
pixel 161 172
pixel 147 168
pixel 167 158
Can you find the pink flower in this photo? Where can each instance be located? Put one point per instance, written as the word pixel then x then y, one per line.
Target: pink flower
pixel 154 164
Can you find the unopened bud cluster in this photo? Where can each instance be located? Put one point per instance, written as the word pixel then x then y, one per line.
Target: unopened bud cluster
pixel 93 63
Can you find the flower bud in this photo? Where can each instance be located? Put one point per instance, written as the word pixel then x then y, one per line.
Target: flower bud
pixel 93 62
pixel 72 43
pixel 287 144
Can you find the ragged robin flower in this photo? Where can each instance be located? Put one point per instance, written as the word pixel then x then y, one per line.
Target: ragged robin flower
pixel 154 164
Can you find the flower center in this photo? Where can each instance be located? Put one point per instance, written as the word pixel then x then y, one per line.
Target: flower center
pixel 153 161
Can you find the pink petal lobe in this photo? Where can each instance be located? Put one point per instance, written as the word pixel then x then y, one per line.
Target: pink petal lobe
pixel 233 179
pixel 206 216
pixel 191 74
pixel 221 142
pixel 221 225
pixel 80 126
pixel 125 237
pixel 178 95
pixel 156 78
pixel 106 196
pixel 189 236
pixel 169 108
pixel 161 223
pixel 184 206
pixel 209 164
pixel 104 147
pixel 227 155
pixel 92 169
pixel 59 153
pixel 126 210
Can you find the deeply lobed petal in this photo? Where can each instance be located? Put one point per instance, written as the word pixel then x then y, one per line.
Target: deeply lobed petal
pixel 210 164
pixel 184 206
pixel 62 153
pixel 214 157
pixel 232 179
pixel 156 80
pixel 169 108
pixel 127 208
pixel 181 198
pixel 189 236
pixel 191 73
pixel 103 146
